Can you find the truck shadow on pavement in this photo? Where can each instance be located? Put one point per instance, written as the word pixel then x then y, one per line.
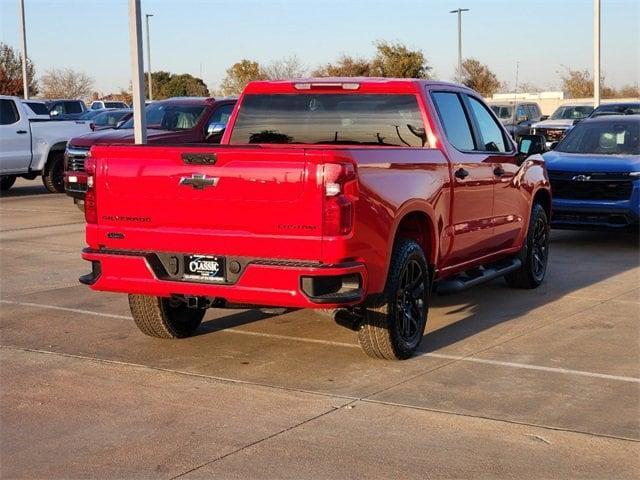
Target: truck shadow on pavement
pixel 578 260
pixel 24 191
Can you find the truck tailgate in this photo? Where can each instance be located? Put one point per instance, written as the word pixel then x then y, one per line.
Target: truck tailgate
pixel 221 200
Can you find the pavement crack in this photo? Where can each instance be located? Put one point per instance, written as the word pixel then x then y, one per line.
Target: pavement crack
pixel 261 440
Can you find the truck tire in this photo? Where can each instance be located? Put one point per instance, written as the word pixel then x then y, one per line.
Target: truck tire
pixel 534 254
pixel 6 182
pixel 159 317
pixel 394 330
pixel 53 177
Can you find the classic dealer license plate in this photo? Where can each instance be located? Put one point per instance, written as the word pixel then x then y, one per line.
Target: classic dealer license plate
pixel 204 267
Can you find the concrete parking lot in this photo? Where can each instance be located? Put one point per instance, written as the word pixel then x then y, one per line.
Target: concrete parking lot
pixel 508 384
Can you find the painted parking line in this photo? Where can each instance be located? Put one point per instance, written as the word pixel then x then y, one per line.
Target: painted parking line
pixel 485 361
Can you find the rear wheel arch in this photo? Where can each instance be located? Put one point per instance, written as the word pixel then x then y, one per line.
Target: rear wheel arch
pixel 56 149
pixel 415 221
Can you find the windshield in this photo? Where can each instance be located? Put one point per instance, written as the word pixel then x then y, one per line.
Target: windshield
pixel 572 112
pixel 89 115
pixel 110 119
pixel 115 105
pixel 626 108
pixel 502 111
pixel 339 119
pixel 603 138
pixel 163 116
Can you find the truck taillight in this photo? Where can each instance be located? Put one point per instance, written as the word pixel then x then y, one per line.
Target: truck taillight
pixel 340 190
pixel 90 205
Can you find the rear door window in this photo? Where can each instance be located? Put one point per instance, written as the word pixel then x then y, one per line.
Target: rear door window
pixel 38 108
pixel 327 118
pixel 454 120
pixel 73 107
pixel 8 112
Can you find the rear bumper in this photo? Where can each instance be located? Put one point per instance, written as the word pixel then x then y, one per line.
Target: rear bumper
pixel 261 282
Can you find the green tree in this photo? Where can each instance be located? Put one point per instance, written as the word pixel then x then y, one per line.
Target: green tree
pixel 185 85
pixel 345 66
pixel 479 77
pixel 11 73
pixel 159 80
pixel 396 60
pixel 239 74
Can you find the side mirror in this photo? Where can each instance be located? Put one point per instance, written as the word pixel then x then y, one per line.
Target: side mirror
pixel 530 145
pixel 119 124
pixel 54 113
pixel 92 126
pixel 215 129
pixel 553 145
pixel 544 117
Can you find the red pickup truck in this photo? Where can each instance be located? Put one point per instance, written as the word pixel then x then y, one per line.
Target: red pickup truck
pixel 359 195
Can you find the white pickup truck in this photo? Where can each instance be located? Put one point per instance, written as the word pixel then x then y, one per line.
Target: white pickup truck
pixel 32 148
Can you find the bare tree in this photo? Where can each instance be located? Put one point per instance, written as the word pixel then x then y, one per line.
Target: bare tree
pixel 479 77
pixel 66 83
pixel 285 68
pixel 579 84
pixel 629 91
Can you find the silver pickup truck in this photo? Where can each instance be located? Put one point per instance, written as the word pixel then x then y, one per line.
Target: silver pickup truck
pixel 33 148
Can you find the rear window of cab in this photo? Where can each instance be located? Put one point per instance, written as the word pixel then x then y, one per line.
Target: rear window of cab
pixel 331 119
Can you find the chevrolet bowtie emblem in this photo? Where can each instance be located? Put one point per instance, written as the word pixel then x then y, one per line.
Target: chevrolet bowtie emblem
pixel 199 181
pixel 581 178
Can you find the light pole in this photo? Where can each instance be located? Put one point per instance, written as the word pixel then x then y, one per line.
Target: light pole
pixel 23 39
pixel 149 57
pixel 459 12
pixel 137 72
pixel 596 53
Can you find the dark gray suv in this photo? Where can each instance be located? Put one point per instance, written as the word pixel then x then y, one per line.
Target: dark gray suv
pixel 517 116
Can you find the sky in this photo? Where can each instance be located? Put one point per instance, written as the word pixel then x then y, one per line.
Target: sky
pixel 204 38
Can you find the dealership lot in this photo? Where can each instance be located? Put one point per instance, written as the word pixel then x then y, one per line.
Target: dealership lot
pixel 507 383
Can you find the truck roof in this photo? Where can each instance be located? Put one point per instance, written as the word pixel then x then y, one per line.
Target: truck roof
pixel 366 84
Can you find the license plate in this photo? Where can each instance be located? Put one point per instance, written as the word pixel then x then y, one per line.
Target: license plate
pixel 204 267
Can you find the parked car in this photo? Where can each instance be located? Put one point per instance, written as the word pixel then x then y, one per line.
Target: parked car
pixel 36 110
pixel 176 120
pixel 517 117
pixel 91 114
pixel 101 104
pixel 353 194
pixel 110 118
pixel 595 174
pixel 66 109
pixel 32 148
pixel 556 126
pixel 616 108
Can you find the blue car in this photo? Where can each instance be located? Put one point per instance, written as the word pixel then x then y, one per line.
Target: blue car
pixel 595 174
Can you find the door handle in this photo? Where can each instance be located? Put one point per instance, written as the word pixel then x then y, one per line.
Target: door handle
pixel 21 132
pixel 461 173
pixel 498 171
